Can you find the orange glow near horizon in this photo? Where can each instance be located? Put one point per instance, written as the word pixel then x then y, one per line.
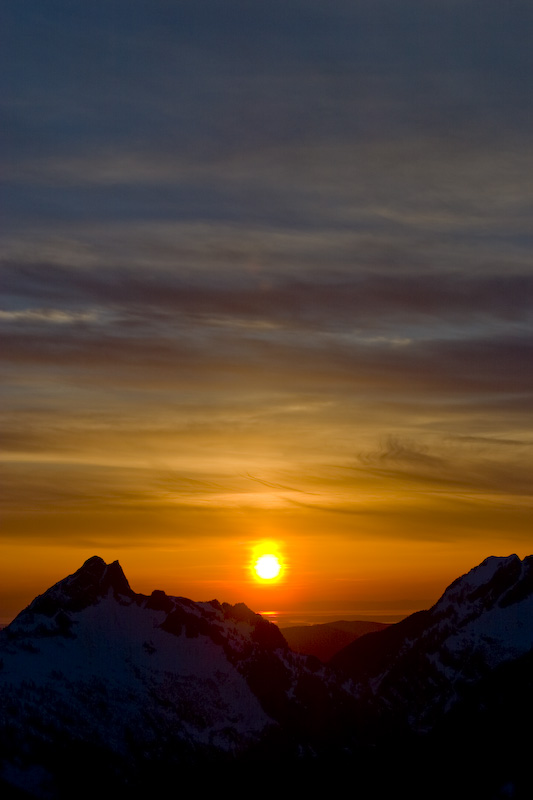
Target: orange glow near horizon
pixel 348 576
pixel 219 346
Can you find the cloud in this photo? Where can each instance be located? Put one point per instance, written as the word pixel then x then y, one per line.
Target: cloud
pixel 458 465
pixel 250 240
pixel 361 299
pixel 396 450
pixel 48 315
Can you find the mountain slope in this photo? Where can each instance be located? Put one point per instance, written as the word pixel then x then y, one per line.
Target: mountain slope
pixel 415 671
pixel 93 673
pixel 325 639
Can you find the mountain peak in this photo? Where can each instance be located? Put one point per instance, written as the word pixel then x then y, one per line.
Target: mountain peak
pixel 92 581
pixel 95 562
pixel 488 582
pixel 482 621
pixel 96 575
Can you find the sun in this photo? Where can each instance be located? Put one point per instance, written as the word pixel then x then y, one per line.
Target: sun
pixel 267 564
pixel 267 567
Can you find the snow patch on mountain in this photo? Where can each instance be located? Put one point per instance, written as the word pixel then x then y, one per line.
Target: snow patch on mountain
pixel 117 656
pixel 471 589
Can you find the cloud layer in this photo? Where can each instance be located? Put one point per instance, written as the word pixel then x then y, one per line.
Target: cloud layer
pixel 267 260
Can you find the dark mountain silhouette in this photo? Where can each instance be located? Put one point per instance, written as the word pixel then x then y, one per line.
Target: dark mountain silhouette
pixel 324 640
pixel 106 691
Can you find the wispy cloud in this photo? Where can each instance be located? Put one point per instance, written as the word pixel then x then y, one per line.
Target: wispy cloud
pixel 48 316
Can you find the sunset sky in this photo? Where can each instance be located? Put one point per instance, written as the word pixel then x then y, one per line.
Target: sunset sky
pixel 266 277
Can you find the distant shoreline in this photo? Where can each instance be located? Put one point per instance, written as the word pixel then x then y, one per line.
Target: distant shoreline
pixel 288 619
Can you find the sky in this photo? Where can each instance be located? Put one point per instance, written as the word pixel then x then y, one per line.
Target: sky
pixel 266 285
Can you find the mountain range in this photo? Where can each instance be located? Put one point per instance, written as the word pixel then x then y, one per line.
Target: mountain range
pixel 325 639
pixel 102 686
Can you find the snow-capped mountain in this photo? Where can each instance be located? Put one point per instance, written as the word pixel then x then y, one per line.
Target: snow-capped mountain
pixel 416 671
pixel 93 673
pixel 104 687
